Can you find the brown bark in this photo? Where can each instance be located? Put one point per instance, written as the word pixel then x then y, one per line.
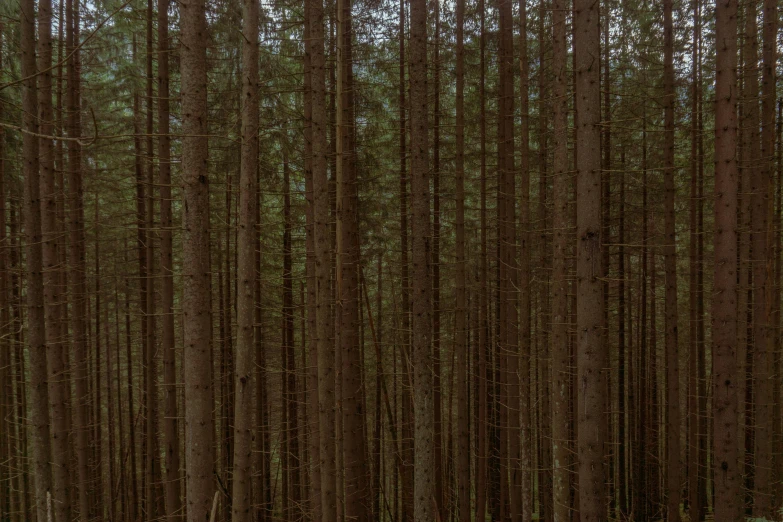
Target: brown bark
pixel 763 361
pixel 36 338
pixel 153 480
pixel 326 378
pixel 77 287
pixel 560 227
pixel 525 457
pixel 173 487
pixel 313 447
pixel 461 327
pixel 357 476
pixel 421 292
pixel 195 240
pixel 483 344
pixel 673 486
pixel 592 356
pixel 241 494
pixel 57 382
pixel 724 315
pixel 693 268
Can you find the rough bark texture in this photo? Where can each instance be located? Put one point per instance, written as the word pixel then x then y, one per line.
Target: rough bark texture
pixel 673 486
pixel 173 487
pixel 592 356
pixel 199 424
pixel 763 362
pixel 357 476
pixel 36 338
pixel 421 292
pixel 326 377
pixel 560 220
pixel 725 378
pixel 460 323
pixel 241 495
pixel 57 380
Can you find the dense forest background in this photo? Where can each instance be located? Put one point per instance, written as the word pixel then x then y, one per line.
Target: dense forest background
pixel 396 261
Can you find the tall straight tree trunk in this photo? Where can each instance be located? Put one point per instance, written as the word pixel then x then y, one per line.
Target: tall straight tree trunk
pixel 483 345
pixel 199 424
pixel 406 428
pixel 436 242
pixel 36 337
pixel 357 476
pixel 693 340
pixel 57 379
pixel 673 486
pixel 6 383
pixel 763 362
pixel 421 292
pixel 151 395
pixel 241 494
pixel 460 322
pixel 724 314
pixel 173 487
pixel 592 356
pixel 525 457
pixel 543 366
pixel 622 450
pixel 77 286
pixel 508 242
pixel 560 226
pixel 326 378
pixel 313 447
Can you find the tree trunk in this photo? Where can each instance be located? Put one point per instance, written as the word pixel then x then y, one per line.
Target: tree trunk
pixel 241 494
pixel 560 226
pixel 36 338
pixel 763 362
pixel 357 476
pixel 326 379
pixel 592 358
pixel 673 488
pixel 173 487
pixel 724 315
pixel 461 328
pixel 199 424
pixel 421 292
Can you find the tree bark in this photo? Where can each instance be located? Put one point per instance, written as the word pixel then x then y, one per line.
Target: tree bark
pixel 724 315
pixel 199 424
pixel 36 338
pixel 421 292
pixel 461 329
pixel 763 362
pixel 241 494
pixel 326 378
pixel 173 487
pixel 592 358
pixel 560 225
pixel 673 488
